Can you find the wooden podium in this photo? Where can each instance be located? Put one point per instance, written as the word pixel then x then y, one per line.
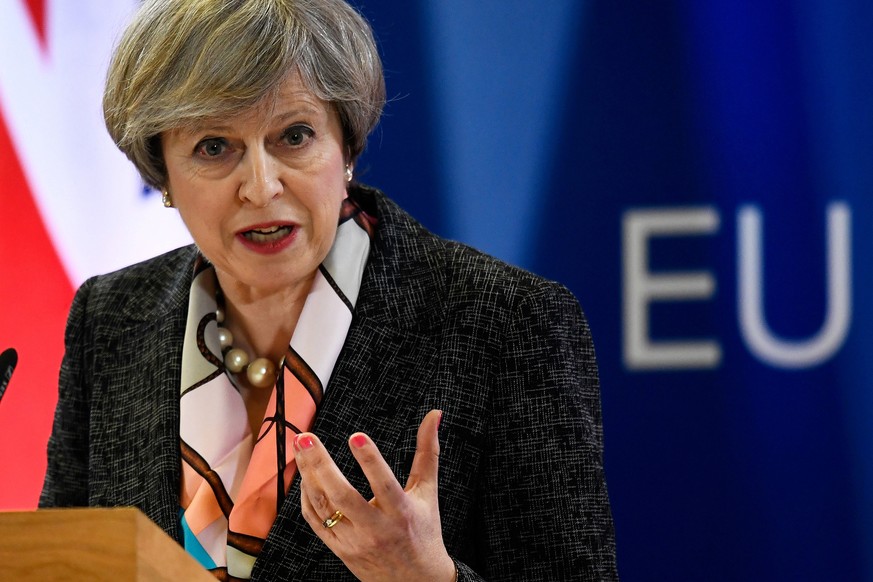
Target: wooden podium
pixel 112 545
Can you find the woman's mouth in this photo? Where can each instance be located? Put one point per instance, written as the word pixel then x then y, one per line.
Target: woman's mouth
pixel 267 235
pixel 268 239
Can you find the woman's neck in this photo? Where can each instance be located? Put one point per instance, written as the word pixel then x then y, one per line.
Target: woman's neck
pixel 262 322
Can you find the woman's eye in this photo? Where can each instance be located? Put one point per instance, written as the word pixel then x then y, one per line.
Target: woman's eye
pixel 211 148
pixel 297 135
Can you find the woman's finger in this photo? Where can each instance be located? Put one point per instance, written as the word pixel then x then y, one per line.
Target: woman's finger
pixel 425 464
pixel 387 491
pixel 325 487
pixel 317 521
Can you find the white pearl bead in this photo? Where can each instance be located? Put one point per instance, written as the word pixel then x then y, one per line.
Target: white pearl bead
pixel 261 373
pixel 235 360
pixel 225 338
pixel 219 315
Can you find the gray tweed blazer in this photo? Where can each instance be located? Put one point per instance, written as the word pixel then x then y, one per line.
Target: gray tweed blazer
pixel 506 355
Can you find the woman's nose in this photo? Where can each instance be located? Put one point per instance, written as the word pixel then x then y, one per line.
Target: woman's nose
pixel 261 182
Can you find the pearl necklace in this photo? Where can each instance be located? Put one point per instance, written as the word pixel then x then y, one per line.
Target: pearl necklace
pixel 261 372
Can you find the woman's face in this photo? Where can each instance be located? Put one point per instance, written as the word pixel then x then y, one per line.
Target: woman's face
pixel 261 192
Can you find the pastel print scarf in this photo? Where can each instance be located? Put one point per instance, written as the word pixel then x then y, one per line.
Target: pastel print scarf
pixel 233 485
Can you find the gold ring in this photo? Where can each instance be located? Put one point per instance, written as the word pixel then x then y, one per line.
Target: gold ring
pixel 333 520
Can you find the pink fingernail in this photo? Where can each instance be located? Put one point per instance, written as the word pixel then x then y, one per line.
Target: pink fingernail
pixel 359 440
pixel 303 442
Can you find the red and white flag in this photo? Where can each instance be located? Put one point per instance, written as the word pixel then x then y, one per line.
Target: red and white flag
pixel 71 206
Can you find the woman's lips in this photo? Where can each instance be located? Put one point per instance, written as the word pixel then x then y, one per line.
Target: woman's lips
pixel 268 239
pixel 267 235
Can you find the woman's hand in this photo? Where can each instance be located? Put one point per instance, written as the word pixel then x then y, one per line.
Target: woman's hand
pixel 396 535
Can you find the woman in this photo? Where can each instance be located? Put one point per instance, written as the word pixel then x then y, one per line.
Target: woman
pixel 320 388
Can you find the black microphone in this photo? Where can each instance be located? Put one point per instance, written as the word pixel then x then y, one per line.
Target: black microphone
pixel 8 361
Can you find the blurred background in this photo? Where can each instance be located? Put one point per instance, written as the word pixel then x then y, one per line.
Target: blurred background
pixel 698 173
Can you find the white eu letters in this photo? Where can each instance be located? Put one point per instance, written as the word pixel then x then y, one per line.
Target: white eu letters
pixel 750 286
pixel 641 287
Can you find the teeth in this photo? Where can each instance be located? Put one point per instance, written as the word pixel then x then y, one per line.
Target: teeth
pixel 264 235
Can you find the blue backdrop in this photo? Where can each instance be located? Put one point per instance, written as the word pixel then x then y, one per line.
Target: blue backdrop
pixel 700 175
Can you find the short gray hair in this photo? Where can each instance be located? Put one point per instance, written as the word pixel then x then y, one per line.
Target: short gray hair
pixel 184 61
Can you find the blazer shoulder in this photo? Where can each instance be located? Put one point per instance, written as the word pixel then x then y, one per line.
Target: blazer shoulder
pixel 472 275
pixel 140 292
pixel 471 267
pixel 428 274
